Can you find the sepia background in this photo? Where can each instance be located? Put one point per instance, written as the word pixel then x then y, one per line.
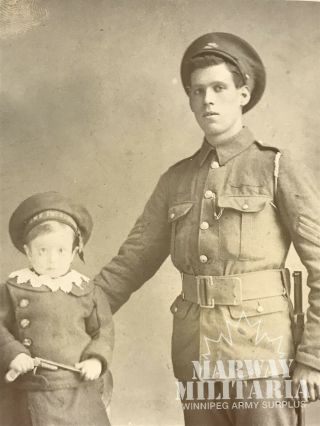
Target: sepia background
pixel 92 106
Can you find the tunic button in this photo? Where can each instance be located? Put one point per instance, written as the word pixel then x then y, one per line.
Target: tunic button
pixel 260 308
pixel 204 226
pixel 27 342
pixel 172 216
pixel 208 194
pixel 175 309
pixel 24 303
pixel 245 206
pixel 215 165
pixel 203 258
pixel 24 323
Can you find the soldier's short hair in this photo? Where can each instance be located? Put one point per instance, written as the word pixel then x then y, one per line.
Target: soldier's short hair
pixel 210 59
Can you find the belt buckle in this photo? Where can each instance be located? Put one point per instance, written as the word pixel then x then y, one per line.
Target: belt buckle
pixel 202 282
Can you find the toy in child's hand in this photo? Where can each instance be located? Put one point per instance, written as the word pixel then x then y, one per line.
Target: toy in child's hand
pixel 37 362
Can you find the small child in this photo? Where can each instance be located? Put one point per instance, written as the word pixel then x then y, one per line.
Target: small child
pixel 53 312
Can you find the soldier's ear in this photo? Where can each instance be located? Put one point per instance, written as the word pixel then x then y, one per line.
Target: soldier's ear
pixel 190 104
pixel 188 90
pixel 245 95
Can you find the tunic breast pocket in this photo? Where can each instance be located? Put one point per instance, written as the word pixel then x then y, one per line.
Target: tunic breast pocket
pixel 243 227
pixel 181 225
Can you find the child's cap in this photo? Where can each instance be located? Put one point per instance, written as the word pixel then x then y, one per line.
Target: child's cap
pixel 49 206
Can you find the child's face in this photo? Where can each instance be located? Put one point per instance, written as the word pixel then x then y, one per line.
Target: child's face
pixel 51 253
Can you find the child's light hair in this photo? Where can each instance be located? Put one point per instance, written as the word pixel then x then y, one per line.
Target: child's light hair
pixel 46 228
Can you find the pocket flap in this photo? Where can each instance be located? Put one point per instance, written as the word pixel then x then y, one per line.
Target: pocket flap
pixel 178 210
pixel 243 203
pixel 256 307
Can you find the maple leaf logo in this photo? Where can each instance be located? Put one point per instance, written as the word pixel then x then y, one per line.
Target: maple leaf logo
pixel 237 331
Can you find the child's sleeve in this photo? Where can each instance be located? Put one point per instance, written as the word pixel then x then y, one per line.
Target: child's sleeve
pixel 9 346
pixel 99 325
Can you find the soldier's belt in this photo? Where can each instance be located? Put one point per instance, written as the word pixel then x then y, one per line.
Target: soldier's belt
pixel 208 291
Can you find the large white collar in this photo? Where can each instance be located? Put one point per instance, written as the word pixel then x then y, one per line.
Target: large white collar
pixel 63 283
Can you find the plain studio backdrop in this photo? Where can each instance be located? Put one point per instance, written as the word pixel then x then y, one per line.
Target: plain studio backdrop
pixel 92 106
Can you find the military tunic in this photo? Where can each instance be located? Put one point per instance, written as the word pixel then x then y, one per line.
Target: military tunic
pixel 222 212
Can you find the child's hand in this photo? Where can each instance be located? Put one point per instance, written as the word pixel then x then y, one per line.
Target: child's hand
pixel 22 363
pixel 90 368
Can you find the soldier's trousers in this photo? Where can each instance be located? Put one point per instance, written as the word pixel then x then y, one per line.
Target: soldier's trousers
pixel 249 409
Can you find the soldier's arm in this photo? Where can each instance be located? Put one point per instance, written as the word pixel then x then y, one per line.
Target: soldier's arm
pixel 298 200
pixel 141 255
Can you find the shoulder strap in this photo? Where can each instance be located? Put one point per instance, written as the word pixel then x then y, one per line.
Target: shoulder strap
pixel 276 164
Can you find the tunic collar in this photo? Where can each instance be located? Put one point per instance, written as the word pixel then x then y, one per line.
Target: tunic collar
pixel 64 283
pixel 229 148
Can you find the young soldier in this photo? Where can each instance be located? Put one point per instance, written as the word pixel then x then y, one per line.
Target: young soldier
pixel 227 215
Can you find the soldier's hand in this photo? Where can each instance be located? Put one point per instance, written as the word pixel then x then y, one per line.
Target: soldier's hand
pixel 22 363
pixel 304 375
pixel 90 368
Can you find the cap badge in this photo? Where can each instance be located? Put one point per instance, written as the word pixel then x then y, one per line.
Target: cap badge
pixel 211 45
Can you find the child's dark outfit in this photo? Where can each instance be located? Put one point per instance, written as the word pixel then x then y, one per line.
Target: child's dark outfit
pixel 61 326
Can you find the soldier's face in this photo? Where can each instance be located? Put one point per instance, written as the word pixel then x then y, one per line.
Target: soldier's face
pixel 216 102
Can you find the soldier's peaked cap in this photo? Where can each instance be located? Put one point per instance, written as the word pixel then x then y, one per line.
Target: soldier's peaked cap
pixel 235 50
pixel 48 206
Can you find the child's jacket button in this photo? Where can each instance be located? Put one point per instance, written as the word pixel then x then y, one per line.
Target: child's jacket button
pixel 24 323
pixel 24 303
